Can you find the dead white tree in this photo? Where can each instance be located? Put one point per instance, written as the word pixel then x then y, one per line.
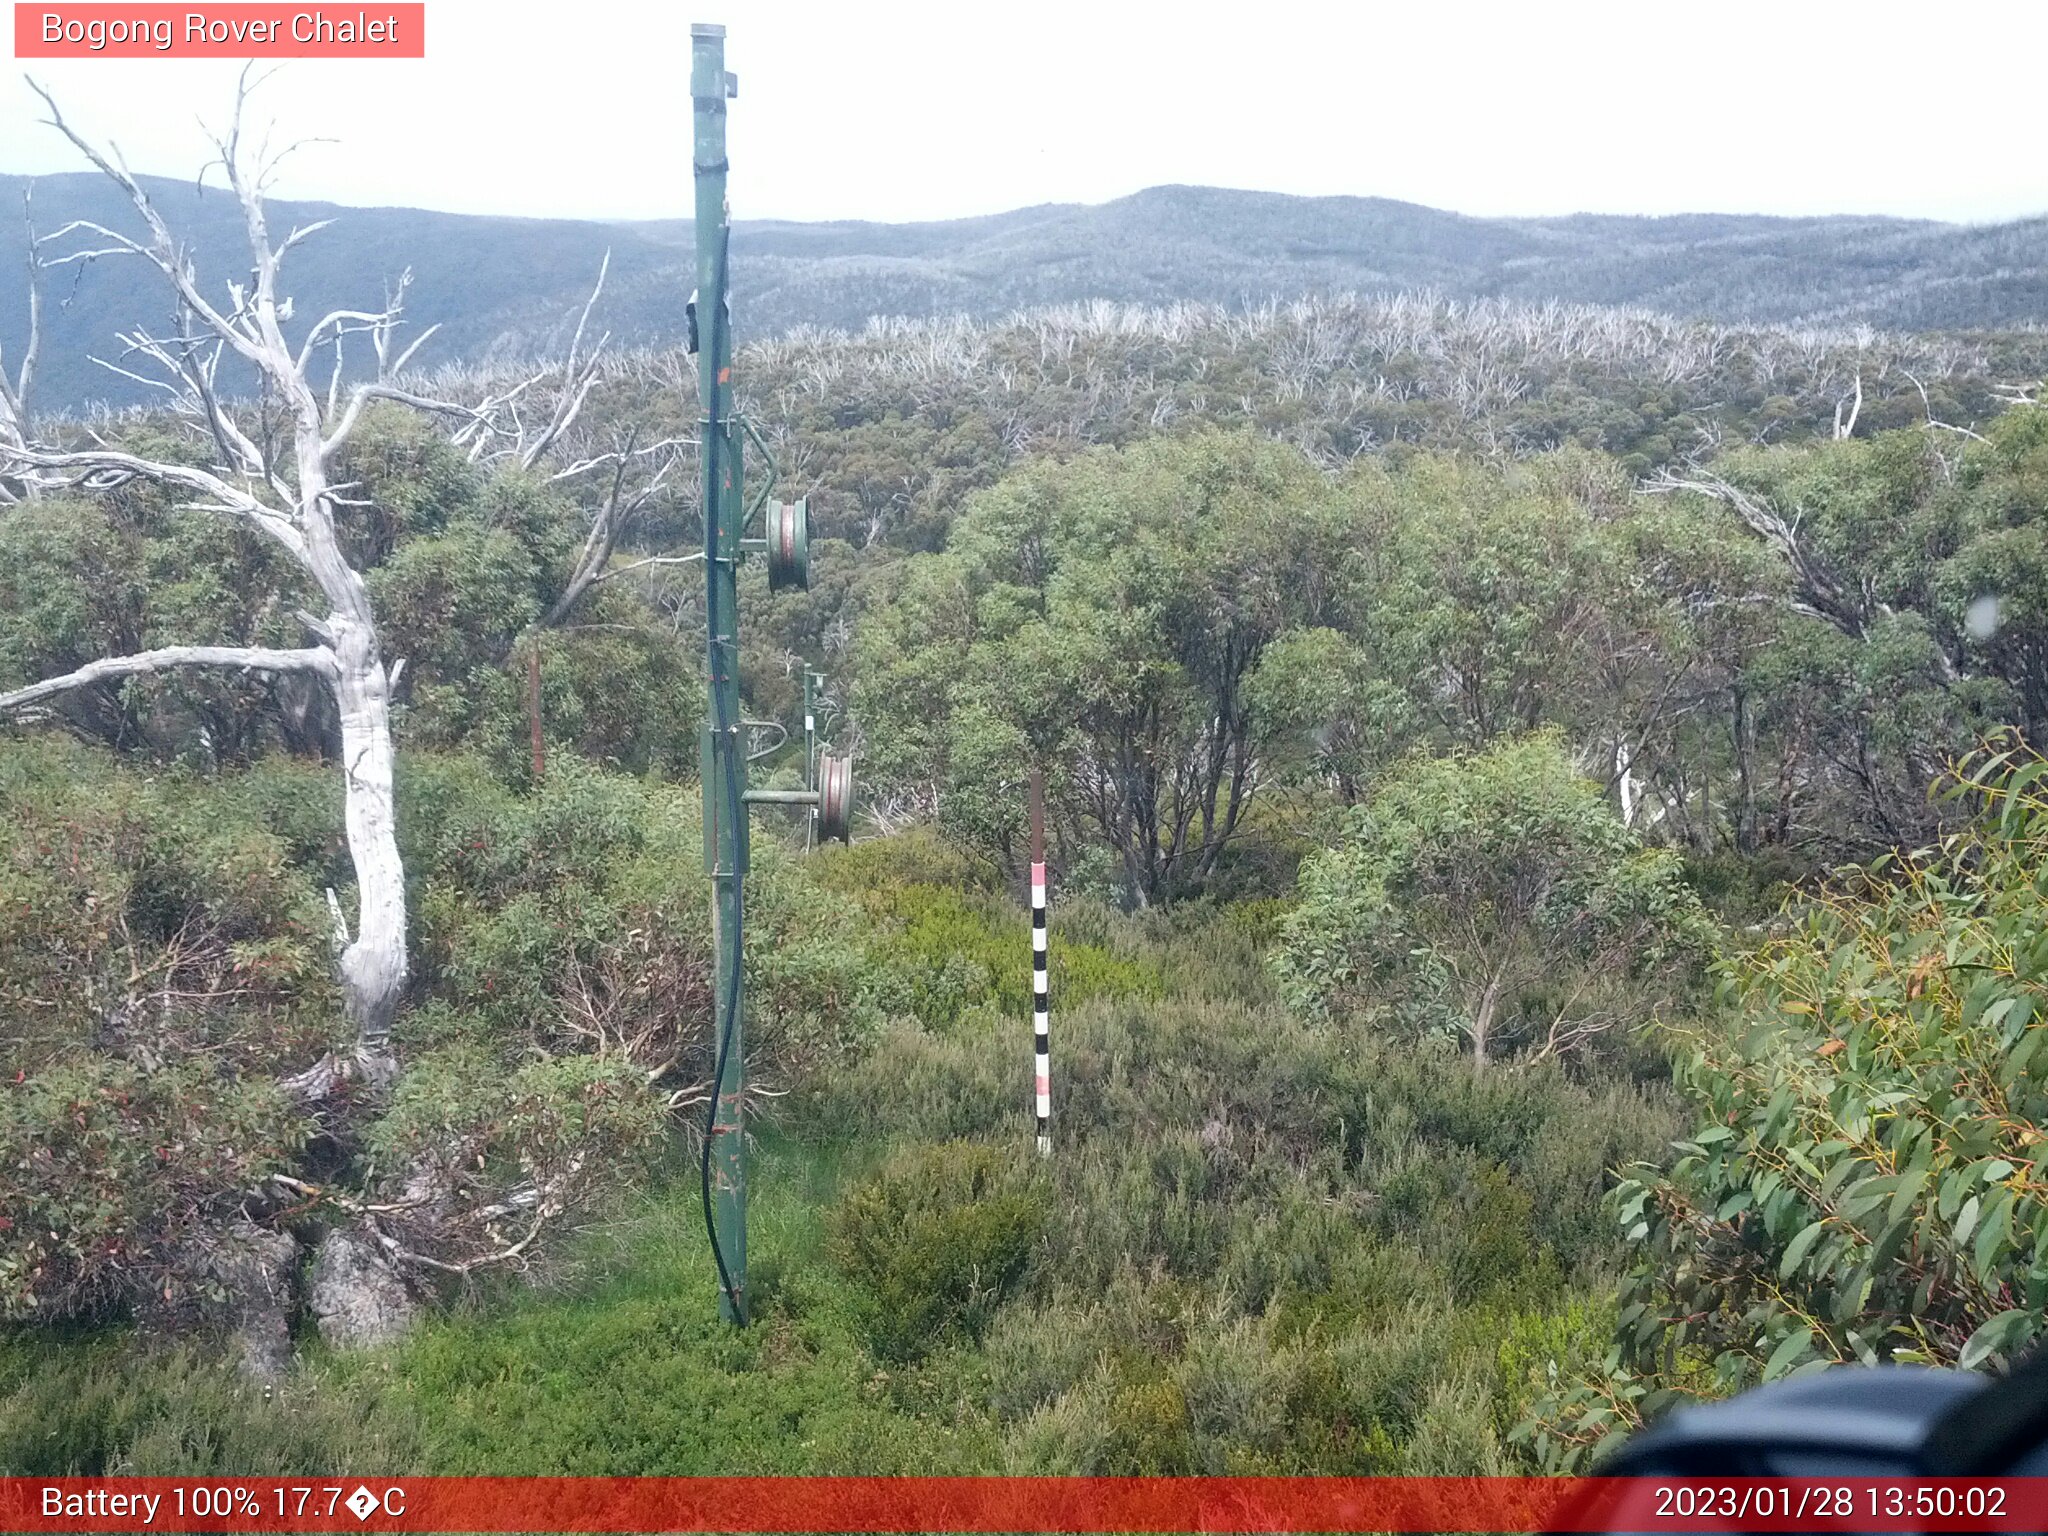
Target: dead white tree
pixel 1820 590
pixel 274 472
pixel 15 393
pixel 286 496
pixel 1845 425
pixel 269 460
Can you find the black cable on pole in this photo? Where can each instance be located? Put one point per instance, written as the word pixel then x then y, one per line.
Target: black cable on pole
pixel 734 807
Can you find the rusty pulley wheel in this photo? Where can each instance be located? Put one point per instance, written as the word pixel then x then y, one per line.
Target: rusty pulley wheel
pixel 835 798
pixel 789 546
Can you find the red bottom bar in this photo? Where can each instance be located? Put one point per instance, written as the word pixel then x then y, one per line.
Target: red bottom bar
pixel 1021 1504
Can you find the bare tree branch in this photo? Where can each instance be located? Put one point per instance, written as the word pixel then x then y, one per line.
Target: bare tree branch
pixel 576 381
pixel 242 658
pixel 618 509
pixel 1821 592
pixel 101 469
pixel 643 563
pixel 1927 406
pixel 16 394
pixel 163 250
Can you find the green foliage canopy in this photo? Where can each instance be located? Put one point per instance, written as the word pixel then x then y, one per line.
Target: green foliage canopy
pixel 1495 895
pixel 1862 1182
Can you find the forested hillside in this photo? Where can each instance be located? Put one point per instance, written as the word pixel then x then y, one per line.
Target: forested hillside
pixel 1543 826
pixel 511 287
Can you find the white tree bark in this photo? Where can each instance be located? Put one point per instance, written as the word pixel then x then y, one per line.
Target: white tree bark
pixel 1624 777
pixel 374 964
pixel 1845 427
pixel 15 392
pixel 250 658
pixel 289 497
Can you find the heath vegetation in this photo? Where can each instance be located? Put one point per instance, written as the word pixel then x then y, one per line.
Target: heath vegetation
pixel 1543 827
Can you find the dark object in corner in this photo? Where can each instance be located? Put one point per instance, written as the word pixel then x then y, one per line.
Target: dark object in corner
pixel 1877 1421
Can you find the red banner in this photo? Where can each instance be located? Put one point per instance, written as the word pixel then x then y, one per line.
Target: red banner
pixel 1020 1504
pixel 381 30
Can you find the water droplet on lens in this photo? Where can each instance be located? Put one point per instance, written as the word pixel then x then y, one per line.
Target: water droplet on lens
pixel 1980 619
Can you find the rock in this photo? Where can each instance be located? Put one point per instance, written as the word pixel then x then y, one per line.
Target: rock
pixel 243 1276
pixel 263 1266
pixel 356 1299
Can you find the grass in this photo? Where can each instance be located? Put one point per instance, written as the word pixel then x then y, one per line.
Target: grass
pixel 1261 1246
pixel 619 1366
pixel 631 1371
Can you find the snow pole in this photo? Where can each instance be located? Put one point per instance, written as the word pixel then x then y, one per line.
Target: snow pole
pixel 1041 1010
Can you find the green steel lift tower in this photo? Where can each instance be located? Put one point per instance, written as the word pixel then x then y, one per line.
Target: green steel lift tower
pixel 785 541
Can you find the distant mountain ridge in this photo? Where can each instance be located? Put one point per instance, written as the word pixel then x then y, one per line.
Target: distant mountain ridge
pixel 506 286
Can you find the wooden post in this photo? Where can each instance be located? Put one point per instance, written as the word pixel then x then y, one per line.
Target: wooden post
pixel 1041 1008
pixel 540 751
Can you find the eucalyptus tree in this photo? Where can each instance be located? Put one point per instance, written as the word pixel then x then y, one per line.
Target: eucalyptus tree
pixel 268 466
pixel 17 391
pixel 1104 617
pixel 246 437
pixel 1861 1186
pixel 1493 896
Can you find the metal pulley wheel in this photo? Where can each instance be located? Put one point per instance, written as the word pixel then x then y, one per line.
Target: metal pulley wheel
pixel 835 798
pixel 789 546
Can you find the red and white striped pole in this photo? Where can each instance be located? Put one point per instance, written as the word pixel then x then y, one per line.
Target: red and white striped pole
pixel 1041 1012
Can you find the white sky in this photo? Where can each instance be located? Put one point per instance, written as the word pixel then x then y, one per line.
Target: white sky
pixel 899 109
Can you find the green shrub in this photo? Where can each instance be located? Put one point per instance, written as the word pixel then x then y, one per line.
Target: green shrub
pixel 159 964
pixel 875 869
pixel 1742 889
pixel 576 917
pixel 947 949
pixel 1148 1432
pixel 914 1086
pixel 1061 1341
pixel 1067 1437
pixel 1238 1390
pixel 1371 1283
pixel 74 1406
pixel 1496 1246
pixel 936 1238
pixel 106 1169
pixel 1388 1372
pixel 166 953
pixel 1861 1185
pixel 1454 1434
pixel 1539 1350
pixel 1150 1202
pixel 138 910
pixel 1495 899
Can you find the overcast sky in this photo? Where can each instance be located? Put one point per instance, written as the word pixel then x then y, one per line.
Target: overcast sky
pixel 889 109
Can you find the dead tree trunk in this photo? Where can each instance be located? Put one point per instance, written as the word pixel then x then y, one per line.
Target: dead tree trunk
pixel 289 497
pixel 282 486
pixel 16 391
